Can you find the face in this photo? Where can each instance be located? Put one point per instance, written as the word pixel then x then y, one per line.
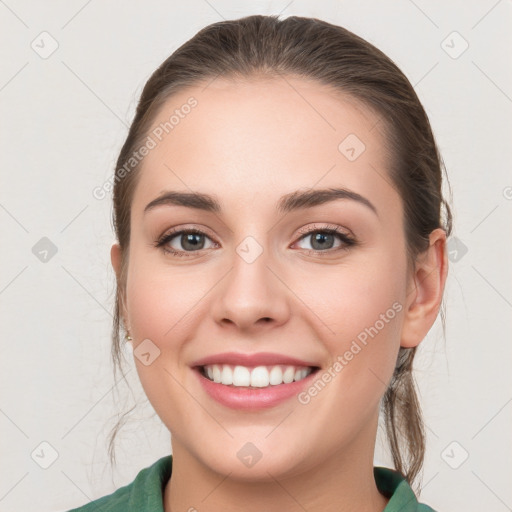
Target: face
pixel 324 281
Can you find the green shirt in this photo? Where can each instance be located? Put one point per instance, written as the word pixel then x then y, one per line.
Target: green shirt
pixel 145 493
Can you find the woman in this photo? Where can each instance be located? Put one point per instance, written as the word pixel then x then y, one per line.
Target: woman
pixel 281 254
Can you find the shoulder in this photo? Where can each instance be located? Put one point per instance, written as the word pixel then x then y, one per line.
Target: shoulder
pixel 144 493
pixel 393 485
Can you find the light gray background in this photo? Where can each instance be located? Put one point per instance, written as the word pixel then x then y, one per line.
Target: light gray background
pixel 64 119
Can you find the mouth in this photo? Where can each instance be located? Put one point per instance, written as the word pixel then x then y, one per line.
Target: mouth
pixel 255 377
pixel 254 381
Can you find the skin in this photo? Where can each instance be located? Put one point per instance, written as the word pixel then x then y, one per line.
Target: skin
pixel 249 143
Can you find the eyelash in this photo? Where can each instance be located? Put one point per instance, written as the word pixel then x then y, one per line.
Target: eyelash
pixel 343 237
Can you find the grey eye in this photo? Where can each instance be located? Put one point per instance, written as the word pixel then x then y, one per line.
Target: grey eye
pixel 321 240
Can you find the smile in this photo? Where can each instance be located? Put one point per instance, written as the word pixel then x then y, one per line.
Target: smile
pixel 255 377
pixel 253 388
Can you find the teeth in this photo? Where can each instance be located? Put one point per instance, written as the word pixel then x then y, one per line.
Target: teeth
pixel 257 377
pixel 260 377
pixel 226 375
pixel 217 374
pixel 288 374
pixel 275 376
pixel 241 376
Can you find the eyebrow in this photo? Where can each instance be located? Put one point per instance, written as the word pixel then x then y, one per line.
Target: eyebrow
pixel 297 200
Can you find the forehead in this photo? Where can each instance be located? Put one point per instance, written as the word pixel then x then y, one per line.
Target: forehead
pixel 262 138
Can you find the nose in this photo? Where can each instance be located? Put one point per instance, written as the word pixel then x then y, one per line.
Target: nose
pixel 252 296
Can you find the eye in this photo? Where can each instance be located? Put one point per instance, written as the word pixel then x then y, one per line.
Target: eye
pixel 327 240
pixel 186 241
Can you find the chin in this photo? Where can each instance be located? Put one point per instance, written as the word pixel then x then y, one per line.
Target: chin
pixel 247 463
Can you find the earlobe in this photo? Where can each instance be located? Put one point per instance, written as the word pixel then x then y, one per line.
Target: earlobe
pixel 428 282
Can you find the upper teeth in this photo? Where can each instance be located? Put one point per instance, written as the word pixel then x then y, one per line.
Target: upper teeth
pixel 259 376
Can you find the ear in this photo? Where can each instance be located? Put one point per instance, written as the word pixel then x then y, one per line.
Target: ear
pixel 425 290
pixel 116 254
pixel 115 258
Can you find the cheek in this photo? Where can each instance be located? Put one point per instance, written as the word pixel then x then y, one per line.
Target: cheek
pixel 361 310
pixel 349 298
pixel 366 321
pixel 164 306
pixel 160 308
pixel 160 303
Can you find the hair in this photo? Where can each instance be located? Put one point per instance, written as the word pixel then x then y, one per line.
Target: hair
pixel 256 46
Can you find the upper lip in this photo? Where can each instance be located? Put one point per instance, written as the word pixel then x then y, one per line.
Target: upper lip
pixel 256 359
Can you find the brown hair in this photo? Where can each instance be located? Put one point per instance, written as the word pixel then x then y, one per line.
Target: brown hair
pixel 312 49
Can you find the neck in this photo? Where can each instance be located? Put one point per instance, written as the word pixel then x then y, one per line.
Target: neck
pixel 344 482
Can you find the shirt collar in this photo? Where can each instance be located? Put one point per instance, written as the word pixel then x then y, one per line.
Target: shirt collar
pixel 393 485
pixel 148 489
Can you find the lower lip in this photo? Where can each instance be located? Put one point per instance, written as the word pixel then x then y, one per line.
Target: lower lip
pixel 253 398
